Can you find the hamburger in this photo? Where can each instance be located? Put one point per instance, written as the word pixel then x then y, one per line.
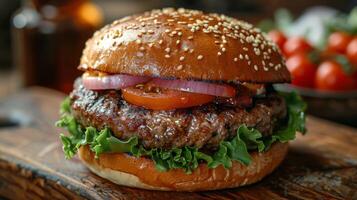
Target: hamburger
pixel 180 100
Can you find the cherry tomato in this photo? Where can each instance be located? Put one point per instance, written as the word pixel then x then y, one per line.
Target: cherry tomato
pixel 338 41
pixel 296 45
pixel 355 78
pixel 330 76
pixel 165 99
pixel 352 51
pixel 277 37
pixel 302 70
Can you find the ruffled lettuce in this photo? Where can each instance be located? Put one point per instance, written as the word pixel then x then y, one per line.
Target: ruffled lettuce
pixel 186 158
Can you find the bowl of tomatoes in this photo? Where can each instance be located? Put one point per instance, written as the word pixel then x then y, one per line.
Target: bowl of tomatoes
pixel 324 74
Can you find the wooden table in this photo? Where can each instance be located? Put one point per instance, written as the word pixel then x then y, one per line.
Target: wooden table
pixel 320 165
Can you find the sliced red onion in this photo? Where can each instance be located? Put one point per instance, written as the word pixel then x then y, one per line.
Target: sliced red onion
pixel 117 81
pixel 200 87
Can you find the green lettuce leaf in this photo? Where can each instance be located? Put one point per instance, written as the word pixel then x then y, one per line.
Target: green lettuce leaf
pixel 296 120
pixel 186 158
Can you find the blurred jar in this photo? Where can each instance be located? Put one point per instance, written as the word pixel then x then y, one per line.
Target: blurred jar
pixel 48 39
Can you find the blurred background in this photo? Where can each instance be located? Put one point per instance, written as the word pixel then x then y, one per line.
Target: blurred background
pixel 41 42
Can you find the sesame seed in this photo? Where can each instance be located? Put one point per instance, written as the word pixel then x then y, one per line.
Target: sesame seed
pixel 168 50
pixel 199 57
pixel 167 56
pixel 167 30
pixel 219 53
pixel 141 48
pixel 191 50
pixel 160 41
pixel 185 49
pixel 179 33
pixel 190 37
pixel 180 67
pixel 177 41
pixel 241 56
pixel 249 39
pixel 255 67
pixel 223 49
pixel 257 51
pixel 266 69
pixel 235 59
pixel 138 41
pixel 182 58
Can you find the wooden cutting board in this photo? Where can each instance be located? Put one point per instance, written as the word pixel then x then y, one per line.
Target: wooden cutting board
pixel 320 165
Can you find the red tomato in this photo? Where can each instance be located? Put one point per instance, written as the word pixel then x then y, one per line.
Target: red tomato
pixel 302 70
pixel 165 99
pixel 355 78
pixel 330 76
pixel 277 37
pixel 296 45
pixel 352 51
pixel 338 41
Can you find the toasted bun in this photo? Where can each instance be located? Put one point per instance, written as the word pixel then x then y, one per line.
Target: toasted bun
pixel 130 171
pixel 185 44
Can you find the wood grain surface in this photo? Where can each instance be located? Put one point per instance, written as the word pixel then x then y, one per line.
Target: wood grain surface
pixel 320 165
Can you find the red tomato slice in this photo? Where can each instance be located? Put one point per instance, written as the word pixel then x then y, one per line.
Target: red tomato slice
pixel 166 99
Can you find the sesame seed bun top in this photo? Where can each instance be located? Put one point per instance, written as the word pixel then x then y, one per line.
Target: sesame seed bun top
pixel 185 44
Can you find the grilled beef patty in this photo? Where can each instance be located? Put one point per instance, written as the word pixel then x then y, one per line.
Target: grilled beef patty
pixel 204 126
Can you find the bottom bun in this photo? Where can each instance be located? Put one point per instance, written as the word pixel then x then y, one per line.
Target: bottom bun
pixel 127 170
